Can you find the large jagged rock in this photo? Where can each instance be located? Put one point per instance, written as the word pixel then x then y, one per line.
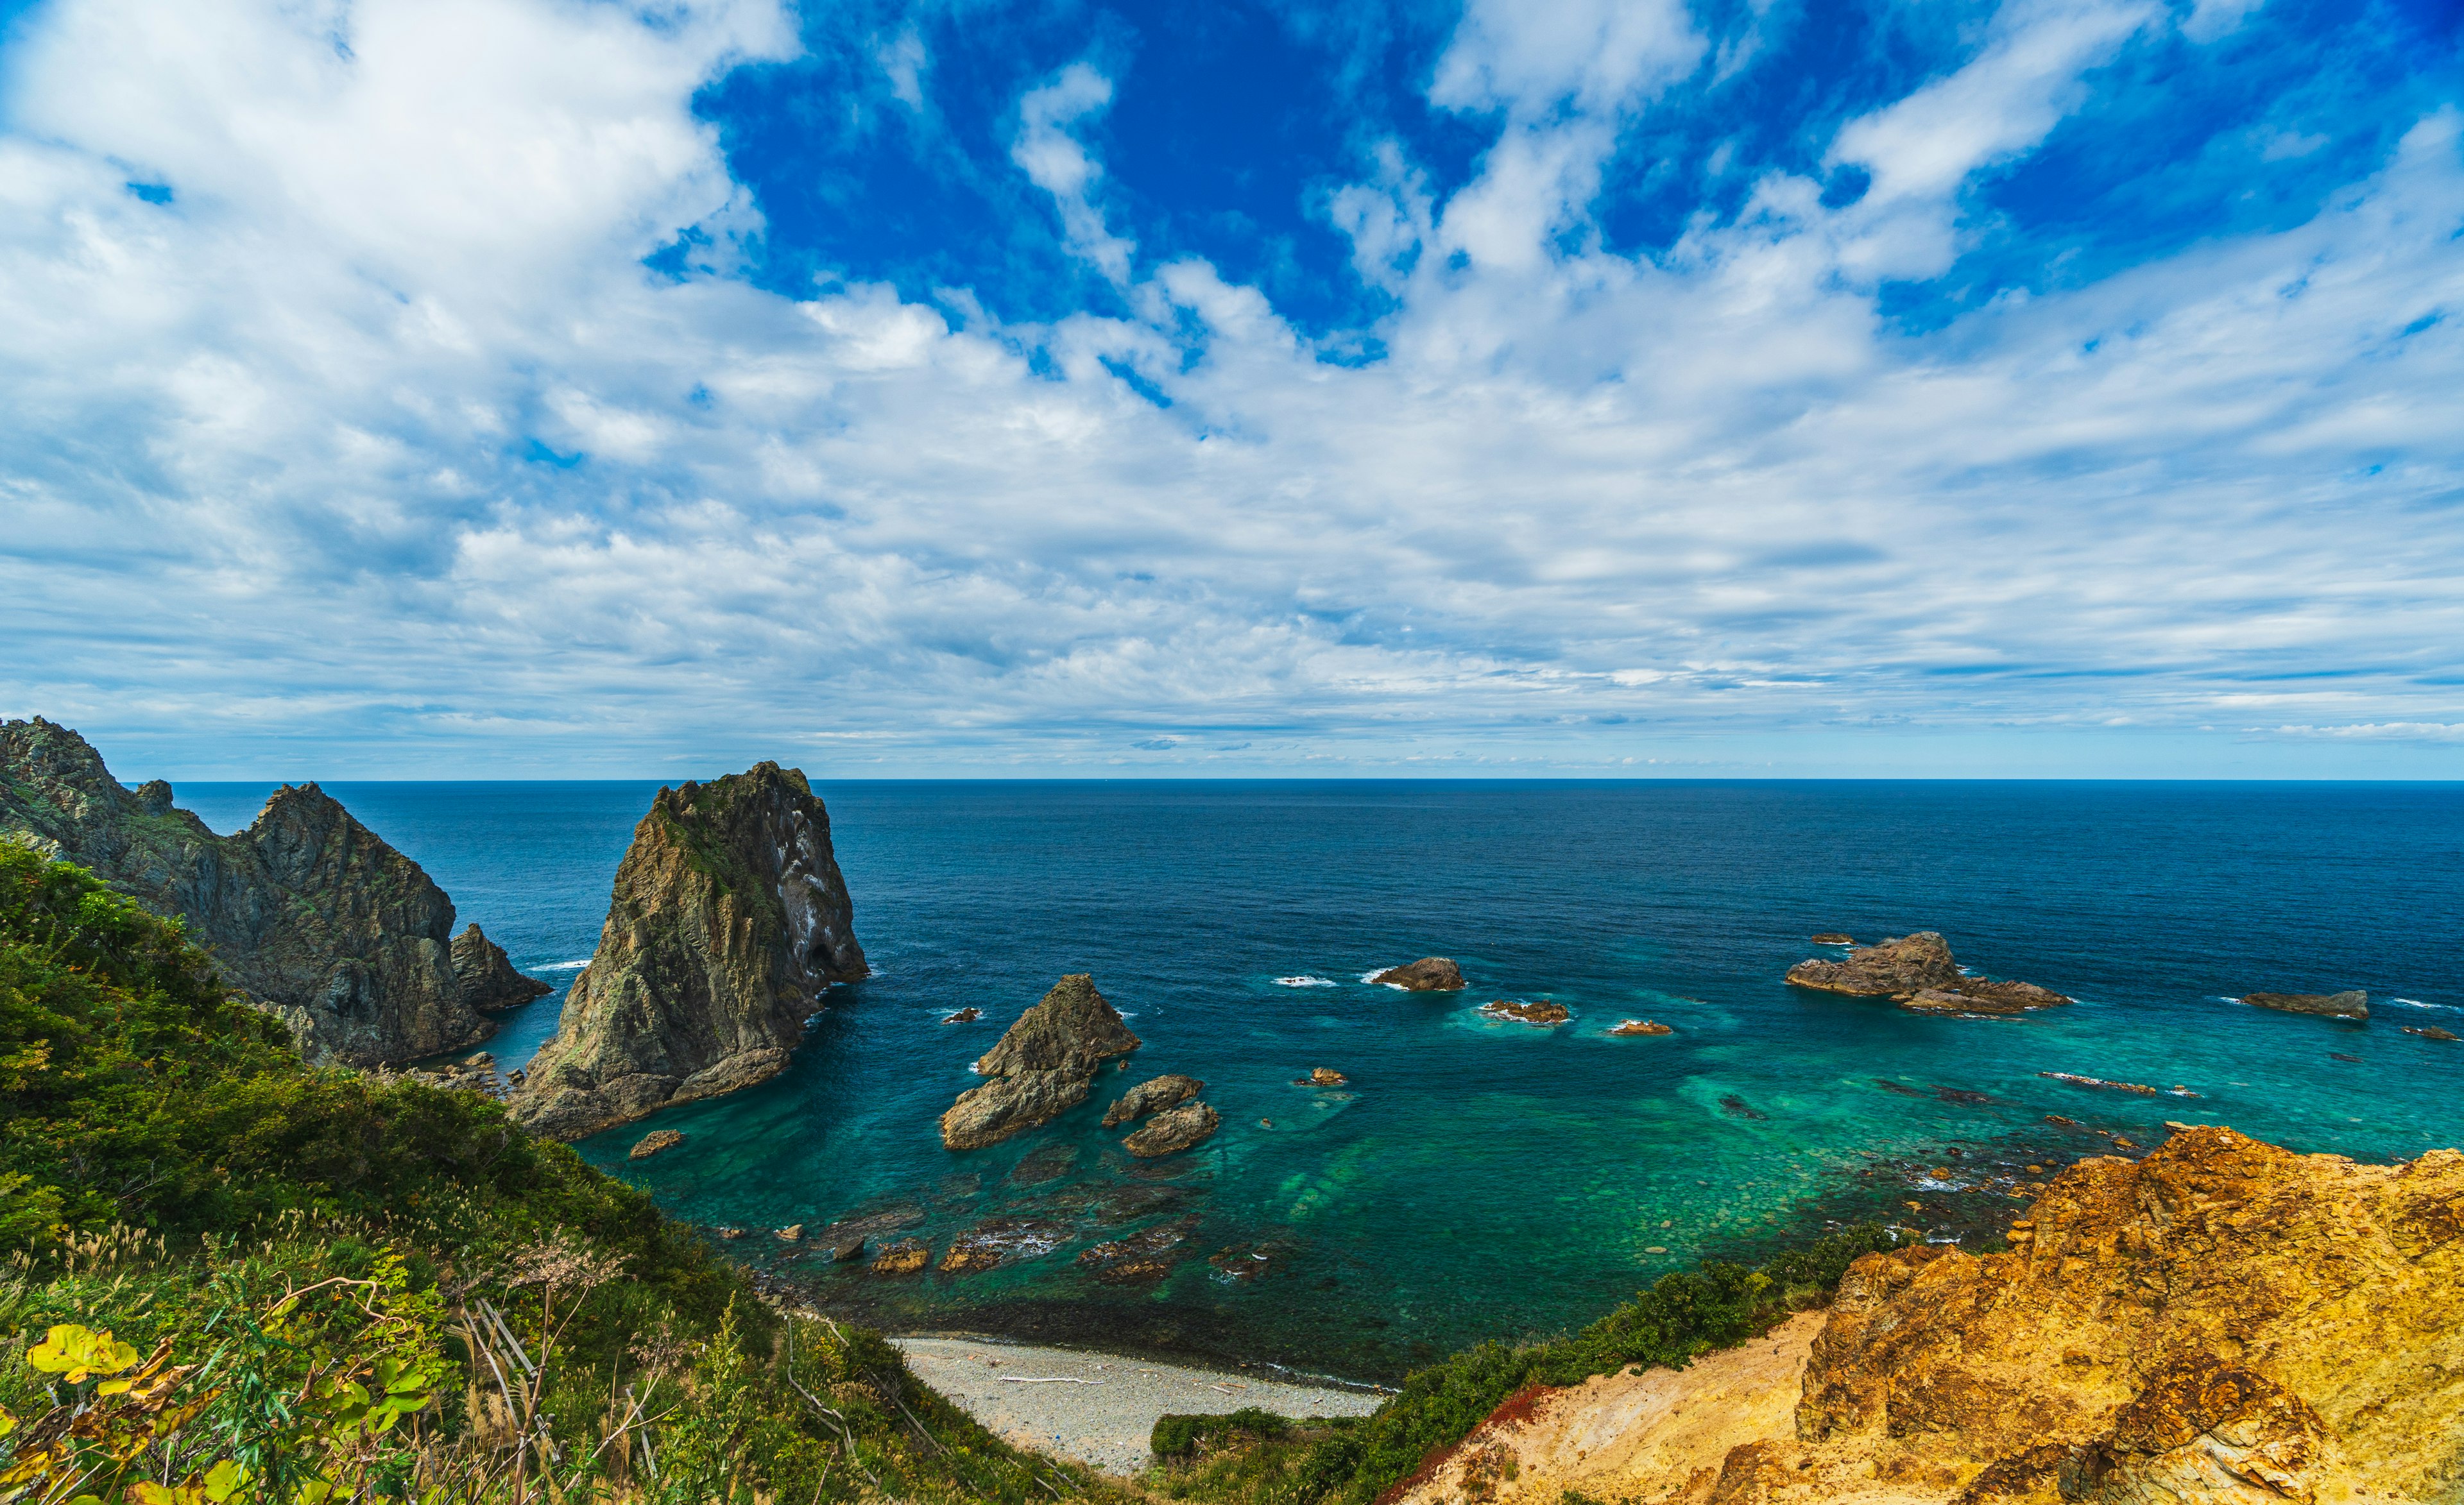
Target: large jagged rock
pixel 1173 1130
pixel 487 975
pixel 2354 1004
pixel 307 912
pixel 728 920
pixel 1920 972
pixel 2223 1322
pixel 1041 1068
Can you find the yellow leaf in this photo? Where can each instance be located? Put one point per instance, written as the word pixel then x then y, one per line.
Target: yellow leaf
pixel 223 1479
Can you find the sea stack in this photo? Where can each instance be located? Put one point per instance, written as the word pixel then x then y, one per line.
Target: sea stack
pixel 488 978
pixel 1919 973
pixel 728 920
pixel 307 912
pixel 1042 1067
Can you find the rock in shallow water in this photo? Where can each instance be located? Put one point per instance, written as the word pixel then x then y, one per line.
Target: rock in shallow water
pixel 1642 1027
pixel 1152 1097
pixel 487 974
pixel 655 1141
pixel 1172 1132
pixel 1921 973
pixel 1040 1067
pixel 1541 1012
pixel 1428 975
pixel 2354 1004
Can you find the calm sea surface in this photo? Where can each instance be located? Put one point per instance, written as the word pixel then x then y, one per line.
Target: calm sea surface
pixel 1479 1179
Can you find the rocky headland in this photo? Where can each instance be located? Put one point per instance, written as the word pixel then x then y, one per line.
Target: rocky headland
pixel 1040 1067
pixel 1428 975
pixel 1918 971
pixel 2222 1323
pixel 2354 1004
pixel 309 914
pixel 727 921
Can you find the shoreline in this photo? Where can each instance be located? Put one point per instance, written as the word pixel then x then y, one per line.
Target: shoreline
pixel 1100 1408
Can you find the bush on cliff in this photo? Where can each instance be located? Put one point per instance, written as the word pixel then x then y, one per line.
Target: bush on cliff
pixel 233 1277
pixel 1681 1317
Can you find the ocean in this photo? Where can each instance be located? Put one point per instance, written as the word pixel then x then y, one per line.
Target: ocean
pixel 1476 1179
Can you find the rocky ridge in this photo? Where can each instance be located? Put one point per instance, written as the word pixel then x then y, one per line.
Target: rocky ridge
pixel 1040 1067
pixel 308 912
pixel 2222 1323
pixel 727 921
pixel 1918 973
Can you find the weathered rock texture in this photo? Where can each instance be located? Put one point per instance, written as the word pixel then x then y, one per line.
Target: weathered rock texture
pixel 1040 1067
pixel 488 978
pixel 307 912
pixel 1173 1131
pixel 1919 971
pixel 2352 1005
pixel 728 920
pixel 1428 975
pixel 1151 1096
pixel 2222 1321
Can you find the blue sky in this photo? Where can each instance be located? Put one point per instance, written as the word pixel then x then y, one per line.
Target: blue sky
pixel 2061 388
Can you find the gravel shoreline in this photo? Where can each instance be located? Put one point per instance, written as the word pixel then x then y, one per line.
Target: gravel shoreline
pixel 1099 1408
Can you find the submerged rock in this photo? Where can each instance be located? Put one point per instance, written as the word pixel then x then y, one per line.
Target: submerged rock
pixel 1146 1256
pixel 1041 1067
pixel 1542 1012
pixel 1428 975
pixel 309 914
pixel 2354 1004
pixel 1151 1096
pixel 1984 996
pixel 999 1241
pixel 655 1141
pixel 2428 1031
pixel 1171 1132
pixel 727 921
pixel 487 975
pixel 1642 1027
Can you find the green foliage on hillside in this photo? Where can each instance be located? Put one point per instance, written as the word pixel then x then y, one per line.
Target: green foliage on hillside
pixel 1681 1317
pixel 233 1277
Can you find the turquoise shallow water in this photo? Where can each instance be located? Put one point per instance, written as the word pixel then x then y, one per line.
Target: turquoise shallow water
pixel 1479 1179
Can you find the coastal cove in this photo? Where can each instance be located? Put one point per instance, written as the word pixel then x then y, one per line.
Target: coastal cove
pixel 1476 1177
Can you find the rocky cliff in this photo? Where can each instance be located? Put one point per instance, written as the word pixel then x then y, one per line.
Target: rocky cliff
pixel 2222 1321
pixel 1041 1067
pixel 307 912
pixel 728 920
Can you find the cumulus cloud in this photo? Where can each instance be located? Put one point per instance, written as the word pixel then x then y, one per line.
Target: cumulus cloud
pixel 365 426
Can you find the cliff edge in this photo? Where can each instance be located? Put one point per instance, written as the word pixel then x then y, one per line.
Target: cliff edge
pixel 307 912
pixel 2222 1321
pixel 728 920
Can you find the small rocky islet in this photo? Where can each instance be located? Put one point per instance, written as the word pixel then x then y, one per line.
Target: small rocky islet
pixel 1917 972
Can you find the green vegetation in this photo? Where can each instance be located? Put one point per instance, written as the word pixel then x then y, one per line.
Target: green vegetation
pixel 1682 1317
pixel 231 1276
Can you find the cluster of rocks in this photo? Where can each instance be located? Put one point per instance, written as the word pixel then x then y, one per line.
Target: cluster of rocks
pixel 1041 1067
pixel 1918 971
pixel 1543 1012
pixel 308 913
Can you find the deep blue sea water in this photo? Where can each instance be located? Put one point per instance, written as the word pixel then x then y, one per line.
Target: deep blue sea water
pixel 1479 1179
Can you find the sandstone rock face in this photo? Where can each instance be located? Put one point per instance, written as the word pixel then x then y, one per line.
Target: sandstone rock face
pixel 1151 1096
pixel 728 920
pixel 2223 1322
pixel 1040 1067
pixel 1920 972
pixel 488 978
pixel 1428 975
pixel 2352 1005
pixel 1171 1132
pixel 307 912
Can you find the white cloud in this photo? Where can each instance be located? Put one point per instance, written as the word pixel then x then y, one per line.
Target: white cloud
pixel 269 461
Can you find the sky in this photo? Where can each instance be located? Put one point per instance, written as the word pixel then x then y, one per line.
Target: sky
pixel 535 388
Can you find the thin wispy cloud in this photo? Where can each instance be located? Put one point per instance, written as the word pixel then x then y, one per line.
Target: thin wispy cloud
pixel 532 386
